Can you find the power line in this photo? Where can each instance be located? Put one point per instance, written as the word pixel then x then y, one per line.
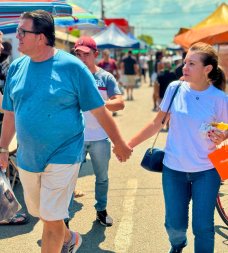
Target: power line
pixel 156 28
pixel 116 5
pixel 102 10
pixel 161 13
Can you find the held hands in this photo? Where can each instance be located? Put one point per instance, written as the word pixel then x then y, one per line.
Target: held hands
pixel 122 151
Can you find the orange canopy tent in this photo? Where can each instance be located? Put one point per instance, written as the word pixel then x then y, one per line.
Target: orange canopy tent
pixel 212 30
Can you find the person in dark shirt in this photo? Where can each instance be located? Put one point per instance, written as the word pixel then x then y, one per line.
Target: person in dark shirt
pixel 129 68
pixel 158 66
pixel 4 63
pixel 150 68
pixel 178 70
pixel 165 77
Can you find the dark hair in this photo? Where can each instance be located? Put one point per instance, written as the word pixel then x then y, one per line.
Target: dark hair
pixel 72 51
pixel 210 57
pixel 184 53
pixel 43 22
pixel 158 55
pixel 7 48
pixel 6 51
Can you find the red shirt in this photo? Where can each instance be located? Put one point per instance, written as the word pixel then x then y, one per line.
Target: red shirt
pixel 109 66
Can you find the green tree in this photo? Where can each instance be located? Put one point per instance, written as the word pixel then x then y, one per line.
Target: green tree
pixel 146 38
pixel 75 33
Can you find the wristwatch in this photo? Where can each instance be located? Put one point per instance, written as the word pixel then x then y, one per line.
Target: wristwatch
pixel 4 150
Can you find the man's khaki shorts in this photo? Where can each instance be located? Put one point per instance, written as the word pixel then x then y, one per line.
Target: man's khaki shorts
pixel 130 81
pixel 48 194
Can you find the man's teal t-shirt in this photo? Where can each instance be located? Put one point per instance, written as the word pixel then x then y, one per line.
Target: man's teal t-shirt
pixel 47 99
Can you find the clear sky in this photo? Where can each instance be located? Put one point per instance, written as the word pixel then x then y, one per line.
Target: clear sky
pixel 160 19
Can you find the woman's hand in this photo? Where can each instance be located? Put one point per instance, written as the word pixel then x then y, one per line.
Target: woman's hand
pixel 217 136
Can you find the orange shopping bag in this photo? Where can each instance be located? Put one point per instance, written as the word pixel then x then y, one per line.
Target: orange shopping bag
pixel 219 158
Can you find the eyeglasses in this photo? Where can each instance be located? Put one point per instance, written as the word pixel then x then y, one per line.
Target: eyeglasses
pixel 21 32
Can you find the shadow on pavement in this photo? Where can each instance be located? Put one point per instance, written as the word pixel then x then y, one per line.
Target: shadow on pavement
pixel 86 169
pixel 92 240
pixel 8 231
pixel 15 230
pixel 76 207
pixel 222 231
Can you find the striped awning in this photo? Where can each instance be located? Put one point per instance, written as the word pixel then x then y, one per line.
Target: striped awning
pixel 80 19
pixel 10 11
pixel 13 9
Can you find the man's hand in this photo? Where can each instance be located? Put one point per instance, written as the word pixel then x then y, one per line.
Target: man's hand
pixel 4 160
pixel 122 151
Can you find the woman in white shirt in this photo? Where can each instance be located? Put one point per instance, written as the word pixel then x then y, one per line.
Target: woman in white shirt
pixel 188 174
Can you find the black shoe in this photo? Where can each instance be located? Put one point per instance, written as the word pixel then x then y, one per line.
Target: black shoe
pixel 172 250
pixel 104 218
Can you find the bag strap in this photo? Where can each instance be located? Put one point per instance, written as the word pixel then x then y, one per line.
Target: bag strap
pixel 164 119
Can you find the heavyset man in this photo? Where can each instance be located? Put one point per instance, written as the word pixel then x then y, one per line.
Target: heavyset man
pixel 45 92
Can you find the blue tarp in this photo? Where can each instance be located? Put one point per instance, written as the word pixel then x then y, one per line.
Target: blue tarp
pixel 10 28
pixel 113 37
pixel 11 11
pixel 81 19
pixel 14 9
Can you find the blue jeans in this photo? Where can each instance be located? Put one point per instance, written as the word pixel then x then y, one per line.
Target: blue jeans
pixel 100 154
pixel 179 188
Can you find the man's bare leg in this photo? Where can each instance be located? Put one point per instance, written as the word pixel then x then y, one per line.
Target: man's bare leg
pixel 55 233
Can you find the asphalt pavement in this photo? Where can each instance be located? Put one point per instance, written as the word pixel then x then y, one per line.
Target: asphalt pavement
pixel 135 202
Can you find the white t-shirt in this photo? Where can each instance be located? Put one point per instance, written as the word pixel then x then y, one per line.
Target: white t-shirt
pixel 108 87
pixel 187 148
pixel 143 59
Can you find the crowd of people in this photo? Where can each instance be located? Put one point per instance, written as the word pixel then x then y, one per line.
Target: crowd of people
pixel 157 69
pixel 50 87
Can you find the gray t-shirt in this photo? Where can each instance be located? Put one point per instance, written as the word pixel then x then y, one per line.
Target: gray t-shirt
pixel 107 87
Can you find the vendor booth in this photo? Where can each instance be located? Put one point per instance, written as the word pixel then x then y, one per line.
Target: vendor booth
pixel 113 37
pixel 212 30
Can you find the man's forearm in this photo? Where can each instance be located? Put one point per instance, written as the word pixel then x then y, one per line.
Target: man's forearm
pixel 115 104
pixel 120 149
pixel 107 122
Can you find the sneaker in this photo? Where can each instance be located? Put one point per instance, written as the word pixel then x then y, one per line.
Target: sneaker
pixel 73 245
pixel 172 250
pixel 104 218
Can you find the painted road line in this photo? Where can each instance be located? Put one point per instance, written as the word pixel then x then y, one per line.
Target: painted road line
pixel 125 230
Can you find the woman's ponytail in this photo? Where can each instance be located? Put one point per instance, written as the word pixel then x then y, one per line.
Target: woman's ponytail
pixel 218 78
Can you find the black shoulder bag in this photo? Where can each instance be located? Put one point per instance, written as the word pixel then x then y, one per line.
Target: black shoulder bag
pixel 153 158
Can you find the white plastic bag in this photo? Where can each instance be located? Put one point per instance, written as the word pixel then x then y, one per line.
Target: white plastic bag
pixel 8 202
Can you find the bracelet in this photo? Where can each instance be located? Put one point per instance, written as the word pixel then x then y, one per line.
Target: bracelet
pixel 4 150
